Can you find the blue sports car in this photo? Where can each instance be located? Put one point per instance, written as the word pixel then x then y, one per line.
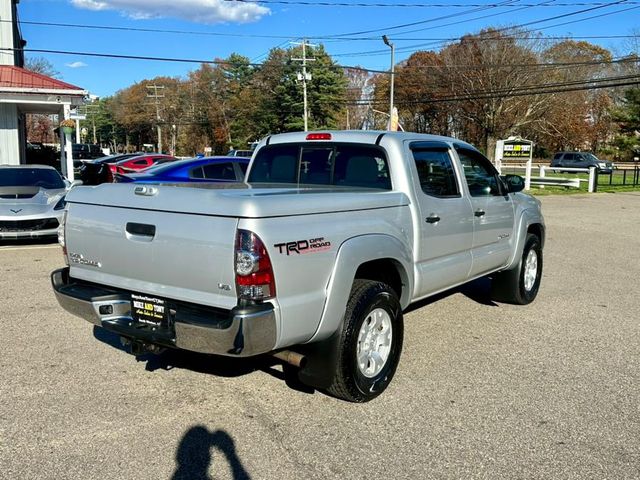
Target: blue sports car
pixel 208 169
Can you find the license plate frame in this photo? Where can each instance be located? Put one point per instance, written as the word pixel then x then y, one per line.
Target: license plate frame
pixel 149 310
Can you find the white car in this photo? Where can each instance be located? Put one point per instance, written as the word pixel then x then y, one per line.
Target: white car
pixel 32 201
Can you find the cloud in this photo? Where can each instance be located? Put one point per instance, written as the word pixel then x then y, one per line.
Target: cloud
pixel 76 65
pixel 201 11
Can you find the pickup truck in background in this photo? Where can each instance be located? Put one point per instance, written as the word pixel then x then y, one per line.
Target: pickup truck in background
pixel 313 259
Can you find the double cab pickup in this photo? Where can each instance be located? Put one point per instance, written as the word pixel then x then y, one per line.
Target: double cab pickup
pixel 312 259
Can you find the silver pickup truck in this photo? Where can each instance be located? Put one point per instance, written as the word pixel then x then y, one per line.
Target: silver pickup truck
pixel 313 259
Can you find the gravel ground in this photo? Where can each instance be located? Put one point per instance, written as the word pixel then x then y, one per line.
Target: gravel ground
pixel 483 390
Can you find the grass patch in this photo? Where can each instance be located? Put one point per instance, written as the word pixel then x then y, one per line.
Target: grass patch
pixel 616 182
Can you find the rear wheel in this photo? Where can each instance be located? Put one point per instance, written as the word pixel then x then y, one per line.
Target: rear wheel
pixel 520 285
pixel 370 343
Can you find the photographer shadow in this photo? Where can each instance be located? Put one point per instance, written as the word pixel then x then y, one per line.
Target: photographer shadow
pixel 194 454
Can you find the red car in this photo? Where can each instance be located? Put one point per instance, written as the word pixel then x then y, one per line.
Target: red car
pixel 140 162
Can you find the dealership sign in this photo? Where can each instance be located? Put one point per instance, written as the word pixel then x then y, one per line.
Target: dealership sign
pixel 516 149
pixel 519 152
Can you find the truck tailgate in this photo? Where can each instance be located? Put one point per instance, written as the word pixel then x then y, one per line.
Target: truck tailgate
pixel 172 255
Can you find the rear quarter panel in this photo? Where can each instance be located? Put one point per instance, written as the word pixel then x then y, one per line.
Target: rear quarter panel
pixel 303 251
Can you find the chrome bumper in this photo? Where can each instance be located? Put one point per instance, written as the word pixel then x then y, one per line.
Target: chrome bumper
pixel 241 332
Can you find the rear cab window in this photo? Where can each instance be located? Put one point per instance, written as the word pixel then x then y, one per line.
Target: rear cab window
pixel 332 164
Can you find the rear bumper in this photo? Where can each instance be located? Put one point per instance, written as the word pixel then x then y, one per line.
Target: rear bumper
pixel 240 332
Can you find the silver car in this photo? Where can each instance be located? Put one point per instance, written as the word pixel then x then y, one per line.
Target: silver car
pixel 32 201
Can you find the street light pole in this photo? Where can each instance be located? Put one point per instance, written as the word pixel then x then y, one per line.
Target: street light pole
pixel 386 41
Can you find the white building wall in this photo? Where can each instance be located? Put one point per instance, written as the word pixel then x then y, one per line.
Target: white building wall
pixel 6 32
pixel 9 138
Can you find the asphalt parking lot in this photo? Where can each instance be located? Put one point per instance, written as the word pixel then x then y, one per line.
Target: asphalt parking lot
pixel 484 390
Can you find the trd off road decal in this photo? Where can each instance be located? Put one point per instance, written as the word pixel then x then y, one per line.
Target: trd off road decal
pixel 312 245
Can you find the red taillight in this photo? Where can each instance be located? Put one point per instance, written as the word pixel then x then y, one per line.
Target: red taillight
pixel 319 136
pixel 112 167
pixel 254 274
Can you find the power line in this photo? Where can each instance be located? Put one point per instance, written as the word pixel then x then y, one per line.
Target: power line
pixel 292 67
pixel 412 48
pixel 404 5
pixel 173 59
pixel 489 97
pixel 482 17
pixel 421 22
pixel 532 93
pixel 145 30
pixel 511 37
pixel 501 92
pixel 290 37
pixel 527 88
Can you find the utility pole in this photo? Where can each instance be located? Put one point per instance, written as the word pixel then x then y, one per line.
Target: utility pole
pixel 386 41
pixel 304 77
pixel 91 110
pixel 156 96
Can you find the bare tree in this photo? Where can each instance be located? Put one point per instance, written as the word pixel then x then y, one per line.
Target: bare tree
pixel 484 71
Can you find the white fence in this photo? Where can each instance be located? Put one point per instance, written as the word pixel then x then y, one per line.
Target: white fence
pixel 541 180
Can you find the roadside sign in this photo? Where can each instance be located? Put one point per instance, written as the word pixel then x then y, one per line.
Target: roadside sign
pixel 516 149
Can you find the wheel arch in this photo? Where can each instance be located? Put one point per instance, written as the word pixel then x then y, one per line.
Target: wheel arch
pixel 373 257
pixel 530 221
pixel 538 230
pixel 385 270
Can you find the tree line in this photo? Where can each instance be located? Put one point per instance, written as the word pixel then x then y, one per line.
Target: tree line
pixel 563 95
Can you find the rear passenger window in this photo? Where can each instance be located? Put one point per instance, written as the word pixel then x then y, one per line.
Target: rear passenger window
pixel 435 172
pixel 219 171
pixel 341 165
pixel 196 173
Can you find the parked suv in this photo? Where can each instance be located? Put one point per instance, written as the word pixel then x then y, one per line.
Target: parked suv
pixel 86 151
pixel 581 160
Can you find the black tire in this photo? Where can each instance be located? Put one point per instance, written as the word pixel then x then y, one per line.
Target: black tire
pixel 509 286
pixel 348 382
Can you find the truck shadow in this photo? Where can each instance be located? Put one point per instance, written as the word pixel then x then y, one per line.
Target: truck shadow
pixel 194 456
pixel 197 362
pixel 479 291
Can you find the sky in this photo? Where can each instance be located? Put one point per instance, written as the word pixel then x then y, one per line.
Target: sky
pixel 209 29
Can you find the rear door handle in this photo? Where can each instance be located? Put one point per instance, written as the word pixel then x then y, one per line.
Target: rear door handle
pixel 141 229
pixel 479 213
pixel 433 218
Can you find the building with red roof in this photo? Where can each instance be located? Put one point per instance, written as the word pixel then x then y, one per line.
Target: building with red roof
pixel 23 92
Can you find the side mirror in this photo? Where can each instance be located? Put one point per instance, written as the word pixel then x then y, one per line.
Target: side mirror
pixel 514 183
